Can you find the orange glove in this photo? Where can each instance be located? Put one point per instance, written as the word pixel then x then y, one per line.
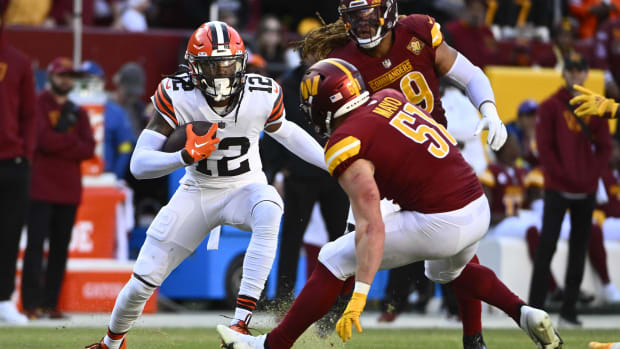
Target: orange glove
pixel 200 147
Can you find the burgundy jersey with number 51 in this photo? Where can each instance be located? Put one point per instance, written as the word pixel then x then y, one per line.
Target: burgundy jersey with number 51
pixel 417 163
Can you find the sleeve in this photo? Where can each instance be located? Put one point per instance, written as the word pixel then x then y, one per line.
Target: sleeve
pixel 604 146
pixel 27 112
pixel 487 178
pixel 579 8
pixel 425 27
pixel 163 104
pixel 340 152
pixel 51 141
pixel 545 140
pixel 124 143
pixel 277 110
pixel 84 147
pixel 534 178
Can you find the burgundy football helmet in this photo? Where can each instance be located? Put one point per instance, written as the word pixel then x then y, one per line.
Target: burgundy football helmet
pixel 330 89
pixel 368 21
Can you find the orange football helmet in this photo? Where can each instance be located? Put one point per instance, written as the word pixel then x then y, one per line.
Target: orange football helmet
pixel 217 60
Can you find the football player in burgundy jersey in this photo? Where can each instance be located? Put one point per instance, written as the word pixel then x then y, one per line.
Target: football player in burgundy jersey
pixel 405 53
pixel 382 146
pixel 408 54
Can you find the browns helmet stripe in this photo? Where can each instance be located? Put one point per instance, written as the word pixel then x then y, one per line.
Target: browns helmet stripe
pixel 224 32
pixel 214 38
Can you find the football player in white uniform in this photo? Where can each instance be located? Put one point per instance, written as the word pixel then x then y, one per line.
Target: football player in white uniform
pixel 223 184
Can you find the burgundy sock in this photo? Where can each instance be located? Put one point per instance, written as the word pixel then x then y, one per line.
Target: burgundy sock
pixel 532 236
pixel 314 301
pixel 312 258
pixel 597 253
pixel 470 310
pixel 479 282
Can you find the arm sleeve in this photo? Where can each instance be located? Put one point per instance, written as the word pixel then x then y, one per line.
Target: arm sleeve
pixel 148 161
pixel 473 80
pixel 545 140
pixel 84 146
pixel 51 141
pixel 28 115
pixel 604 146
pixel 300 143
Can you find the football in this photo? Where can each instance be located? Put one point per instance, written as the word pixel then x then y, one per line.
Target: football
pixel 176 140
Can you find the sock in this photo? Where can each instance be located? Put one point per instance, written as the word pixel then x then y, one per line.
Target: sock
pixel 129 305
pixel 312 258
pixel 533 236
pixel 245 307
pixel 597 253
pixel 113 340
pixel 479 282
pixel 314 301
pixel 261 251
pixel 470 310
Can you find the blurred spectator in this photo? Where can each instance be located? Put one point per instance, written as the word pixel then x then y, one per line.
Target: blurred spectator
pixel 563 39
pixel 463 117
pixel 130 83
pixel 228 12
pixel 28 12
pixel 61 13
pixel 256 64
pixel 524 129
pixel 17 143
pixel 118 135
pixel 65 139
pixel 608 54
pixel 611 180
pixel 270 45
pixel 592 13
pixel 471 36
pixel 573 153
pixel 133 17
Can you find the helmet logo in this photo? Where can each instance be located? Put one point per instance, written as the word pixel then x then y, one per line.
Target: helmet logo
pixel 310 86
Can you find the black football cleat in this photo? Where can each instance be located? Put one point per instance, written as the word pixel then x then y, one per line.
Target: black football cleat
pixel 474 342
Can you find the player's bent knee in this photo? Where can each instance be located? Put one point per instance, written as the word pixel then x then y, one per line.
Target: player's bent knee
pixel 267 213
pixel 139 289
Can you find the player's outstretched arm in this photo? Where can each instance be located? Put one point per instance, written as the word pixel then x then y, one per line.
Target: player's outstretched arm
pixel 591 103
pixel 148 161
pixel 359 184
pixel 298 141
pixel 451 63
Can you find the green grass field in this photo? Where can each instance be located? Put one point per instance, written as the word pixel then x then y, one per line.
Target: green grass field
pixel 66 338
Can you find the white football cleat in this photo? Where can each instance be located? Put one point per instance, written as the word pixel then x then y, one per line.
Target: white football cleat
pixel 234 340
pixel 9 314
pixel 537 324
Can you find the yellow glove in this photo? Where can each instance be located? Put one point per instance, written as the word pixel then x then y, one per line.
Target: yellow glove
pixel 351 316
pixel 592 103
pixel 597 345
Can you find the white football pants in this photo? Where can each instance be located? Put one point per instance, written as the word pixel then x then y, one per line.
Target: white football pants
pixel 446 241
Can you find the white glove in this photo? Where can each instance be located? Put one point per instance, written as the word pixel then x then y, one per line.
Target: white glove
pixel 491 121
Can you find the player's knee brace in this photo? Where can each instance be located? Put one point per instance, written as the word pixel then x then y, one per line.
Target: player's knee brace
pixel 130 304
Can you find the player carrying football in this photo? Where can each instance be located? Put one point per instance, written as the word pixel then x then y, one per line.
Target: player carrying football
pixel 223 183
pixel 382 146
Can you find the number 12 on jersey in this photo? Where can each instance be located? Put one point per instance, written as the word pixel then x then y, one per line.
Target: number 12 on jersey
pixel 404 122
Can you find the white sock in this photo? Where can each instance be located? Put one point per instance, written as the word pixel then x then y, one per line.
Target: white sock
pixel 262 248
pixel 240 314
pixel 129 305
pixel 112 343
